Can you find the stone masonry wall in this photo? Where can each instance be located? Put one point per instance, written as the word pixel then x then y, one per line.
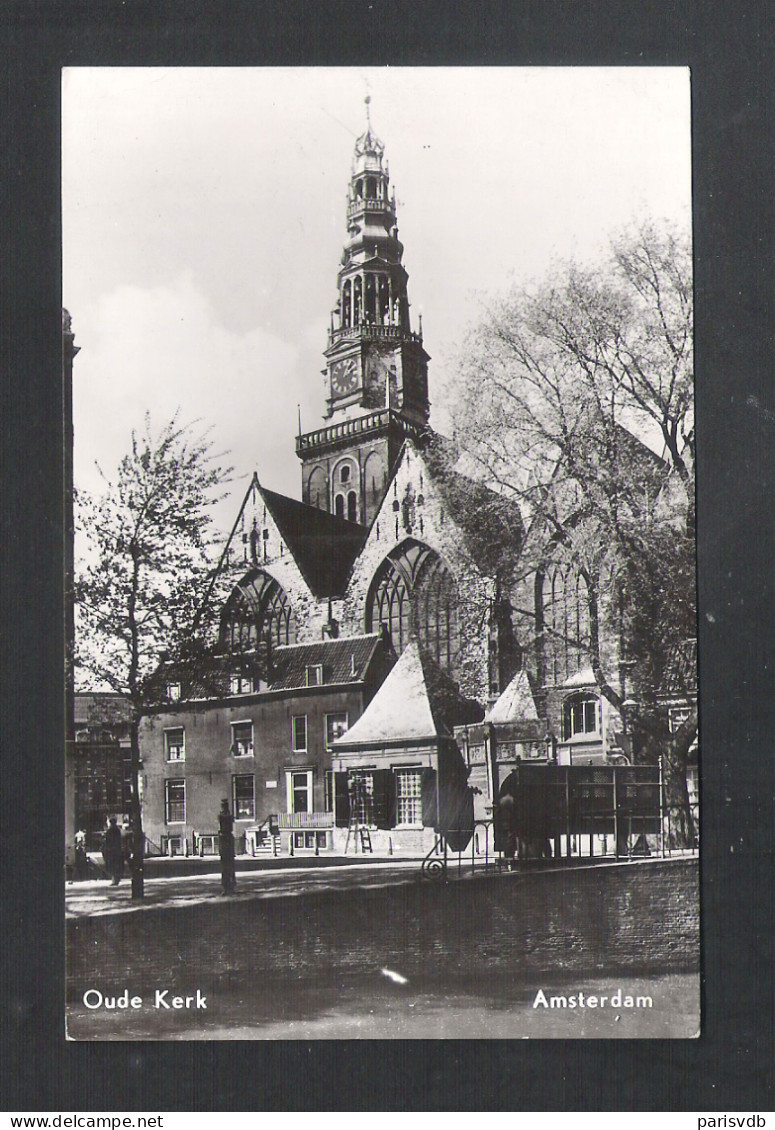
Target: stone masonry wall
pixel 640 916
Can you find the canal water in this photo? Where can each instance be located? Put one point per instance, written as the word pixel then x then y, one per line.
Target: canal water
pixel 382 1005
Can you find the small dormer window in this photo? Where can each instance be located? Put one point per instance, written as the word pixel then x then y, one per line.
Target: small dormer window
pixel 173 691
pixel 315 675
pixel 240 684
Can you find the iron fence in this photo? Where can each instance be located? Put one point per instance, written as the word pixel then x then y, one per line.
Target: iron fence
pixel 563 815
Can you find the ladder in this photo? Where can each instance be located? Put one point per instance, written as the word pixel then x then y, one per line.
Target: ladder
pixel 357 828
pixel 360 834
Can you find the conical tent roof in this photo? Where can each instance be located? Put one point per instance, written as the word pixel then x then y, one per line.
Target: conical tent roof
pixel 401 709
pixel 516 703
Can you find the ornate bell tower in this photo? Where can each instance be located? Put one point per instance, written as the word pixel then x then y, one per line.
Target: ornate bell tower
pixel 377 370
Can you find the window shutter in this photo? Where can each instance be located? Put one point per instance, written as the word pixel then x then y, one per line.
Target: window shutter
pixel 341 801
pixel 429 798
pixel 384 798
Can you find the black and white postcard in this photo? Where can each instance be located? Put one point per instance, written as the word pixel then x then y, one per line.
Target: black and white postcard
pixel 382 699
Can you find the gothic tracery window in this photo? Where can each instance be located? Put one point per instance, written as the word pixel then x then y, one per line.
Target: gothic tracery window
pixel 258 607
pixel 413 590
pixel 566 622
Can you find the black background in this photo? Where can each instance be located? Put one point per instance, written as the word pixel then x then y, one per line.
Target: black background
pixel 729 47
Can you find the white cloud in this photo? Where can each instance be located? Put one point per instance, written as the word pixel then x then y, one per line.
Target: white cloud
pixel 163 349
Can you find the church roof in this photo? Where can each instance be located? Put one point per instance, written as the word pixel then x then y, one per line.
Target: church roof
pixel 516 703
pixel 402 709
pixel 323 545
pixel 492 524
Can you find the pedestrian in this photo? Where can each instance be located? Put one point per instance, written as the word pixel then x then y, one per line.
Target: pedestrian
pixel 81 860
pixel 504 828
pixel 113 852
pixel 226 848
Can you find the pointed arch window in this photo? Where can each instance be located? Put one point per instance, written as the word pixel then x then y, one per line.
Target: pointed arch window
pixel 413 590
pixel 566 621
pixel 258 607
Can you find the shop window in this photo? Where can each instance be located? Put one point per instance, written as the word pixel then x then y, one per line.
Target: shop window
pixel 175 801
pixel 299 733
pixel 244 798
pixel 408 796
pixel 336 725
pixel 242 739
pixel 580 716
pixel 175 744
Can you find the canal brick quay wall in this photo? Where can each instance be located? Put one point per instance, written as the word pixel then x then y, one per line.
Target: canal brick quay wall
pixel 642 916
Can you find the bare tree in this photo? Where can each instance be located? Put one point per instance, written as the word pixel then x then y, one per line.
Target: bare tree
pixel 558 388
pixel 149 555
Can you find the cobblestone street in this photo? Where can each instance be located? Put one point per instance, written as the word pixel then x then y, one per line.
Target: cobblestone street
pixel 99 897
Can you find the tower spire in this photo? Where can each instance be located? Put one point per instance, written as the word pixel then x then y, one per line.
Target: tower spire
pixel 374 361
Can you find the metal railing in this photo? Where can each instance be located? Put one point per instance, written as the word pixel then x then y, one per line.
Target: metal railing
pixel 479 850
pixel 630 842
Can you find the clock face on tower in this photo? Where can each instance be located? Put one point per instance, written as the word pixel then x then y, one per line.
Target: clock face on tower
pixel 344 376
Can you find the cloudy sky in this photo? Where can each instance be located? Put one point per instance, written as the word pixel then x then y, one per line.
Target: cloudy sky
pixel 204 217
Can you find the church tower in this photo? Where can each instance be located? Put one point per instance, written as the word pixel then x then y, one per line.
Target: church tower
pixel 376 368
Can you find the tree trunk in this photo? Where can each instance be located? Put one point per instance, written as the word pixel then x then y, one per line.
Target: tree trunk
pixel 673 748
pixel 138 836
pixel 680 823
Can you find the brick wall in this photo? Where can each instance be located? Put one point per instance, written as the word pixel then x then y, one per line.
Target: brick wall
pixel 642 916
